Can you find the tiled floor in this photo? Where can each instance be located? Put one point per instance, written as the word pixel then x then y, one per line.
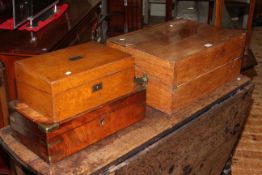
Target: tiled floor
pixel 248 156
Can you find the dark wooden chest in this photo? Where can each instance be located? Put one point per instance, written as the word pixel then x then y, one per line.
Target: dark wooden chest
pixel 57 141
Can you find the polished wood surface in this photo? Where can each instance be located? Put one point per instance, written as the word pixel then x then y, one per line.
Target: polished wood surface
pixel 78 133
pixel 178 52
pixel 65 95
pixel 167 99
pixel 179 45
pixel 106 155
pixel 219 12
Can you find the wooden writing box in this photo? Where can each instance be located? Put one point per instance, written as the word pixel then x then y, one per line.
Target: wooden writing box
pixel 182 59
pixel 55 142
pixel 67 82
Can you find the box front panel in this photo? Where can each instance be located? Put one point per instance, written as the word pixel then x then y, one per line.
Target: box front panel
pixel 209 59
pixel 93 94
pixel 78 138
pixel 188 92
pixel 168 99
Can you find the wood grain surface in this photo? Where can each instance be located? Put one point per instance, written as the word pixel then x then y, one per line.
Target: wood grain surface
pixel 169 100
pixel 63 96
pixel 199 147
pixel 181 45
pixel 85 129
pixel 176 53
pixel 126 143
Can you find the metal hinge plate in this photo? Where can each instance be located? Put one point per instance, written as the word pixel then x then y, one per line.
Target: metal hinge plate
pixel 48 128
pixel 141 80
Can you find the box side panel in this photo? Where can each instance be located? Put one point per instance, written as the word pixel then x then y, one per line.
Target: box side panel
pixel 26 132
pixel 38 100
pixel 93 94
pixel 158 94
pixel 188 92
pixel 188 68
pixel 29 77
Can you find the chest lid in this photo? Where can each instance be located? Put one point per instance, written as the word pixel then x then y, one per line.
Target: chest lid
pixel 71 67
pixel 174 40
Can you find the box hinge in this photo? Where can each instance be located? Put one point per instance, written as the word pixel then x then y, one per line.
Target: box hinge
pixel 48 128
pixel 141 80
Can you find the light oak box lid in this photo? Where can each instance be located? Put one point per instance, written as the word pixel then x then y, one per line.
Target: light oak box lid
pixel 71 67
pixel 168 46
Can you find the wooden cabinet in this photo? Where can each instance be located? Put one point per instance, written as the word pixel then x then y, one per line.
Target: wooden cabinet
pixel 124 16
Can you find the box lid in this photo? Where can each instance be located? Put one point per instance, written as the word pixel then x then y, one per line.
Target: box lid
pixel 68 68
pixel 174 40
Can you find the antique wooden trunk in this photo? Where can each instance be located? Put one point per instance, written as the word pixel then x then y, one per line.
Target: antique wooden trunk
pixel 182 59
pixel 67 82
pixel 54 142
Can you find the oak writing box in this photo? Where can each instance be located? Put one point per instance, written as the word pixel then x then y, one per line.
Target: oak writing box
pixel 183 60
pixel 64 83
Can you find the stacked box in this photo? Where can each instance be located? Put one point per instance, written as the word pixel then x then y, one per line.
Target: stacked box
pixel 71 98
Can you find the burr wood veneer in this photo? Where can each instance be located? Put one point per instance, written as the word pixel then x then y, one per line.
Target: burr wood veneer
pixel 53 142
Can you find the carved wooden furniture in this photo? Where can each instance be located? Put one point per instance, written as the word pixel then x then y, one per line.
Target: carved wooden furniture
pixel 197 139
pixel 183 60
pixel 75 26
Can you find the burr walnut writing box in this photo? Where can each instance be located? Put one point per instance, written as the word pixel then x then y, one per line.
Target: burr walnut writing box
pixel 67 82
pixel 182 59
pixel 53 142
